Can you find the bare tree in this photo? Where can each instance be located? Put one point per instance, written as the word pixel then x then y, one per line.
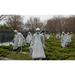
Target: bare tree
pixel 33 23
pixel 56 24
pixel 15 22
pixel 2 17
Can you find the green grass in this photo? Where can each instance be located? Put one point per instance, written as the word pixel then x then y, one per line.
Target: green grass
pixel 3 52
pixel 6 51
pixel 53 51
pixel 18 56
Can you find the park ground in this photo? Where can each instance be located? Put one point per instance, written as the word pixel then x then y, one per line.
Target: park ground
pixel 52 49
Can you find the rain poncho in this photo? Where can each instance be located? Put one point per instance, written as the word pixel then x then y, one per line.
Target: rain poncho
pixel 69 38
pixel 37 43
pixel 29 38
pixel 18 41
pixel 66 39
pixel 62 38
pixel 58 36
pixel 62 41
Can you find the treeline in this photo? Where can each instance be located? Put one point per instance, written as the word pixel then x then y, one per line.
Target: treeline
pixel 4 27
pixel 59 24
pixel 55 24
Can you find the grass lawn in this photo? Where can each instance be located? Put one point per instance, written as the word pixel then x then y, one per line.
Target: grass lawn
pixel 6 51
pixel 18 56
pixel 53 51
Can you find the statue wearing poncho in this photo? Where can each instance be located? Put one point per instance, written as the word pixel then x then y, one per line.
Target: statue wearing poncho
pixel 29 38
pixel 18 41
pixel 62 40
pixel 66 39
pixel 37 44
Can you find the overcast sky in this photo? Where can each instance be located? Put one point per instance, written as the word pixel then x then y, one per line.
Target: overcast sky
pixel 41 17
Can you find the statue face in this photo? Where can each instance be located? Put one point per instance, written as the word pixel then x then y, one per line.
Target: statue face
pixel 38 32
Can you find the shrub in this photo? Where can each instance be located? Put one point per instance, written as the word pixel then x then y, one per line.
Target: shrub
pixel 54 51
pixel 3 52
